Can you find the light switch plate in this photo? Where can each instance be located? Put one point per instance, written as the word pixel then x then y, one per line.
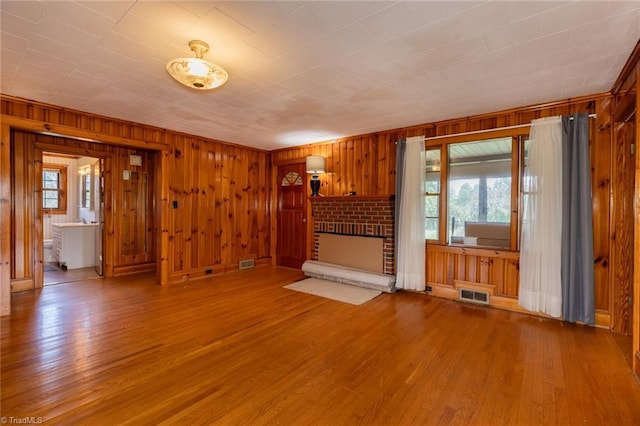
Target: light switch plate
pixel 135 160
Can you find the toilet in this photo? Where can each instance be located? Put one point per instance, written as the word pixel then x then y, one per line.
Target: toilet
pixel 48 251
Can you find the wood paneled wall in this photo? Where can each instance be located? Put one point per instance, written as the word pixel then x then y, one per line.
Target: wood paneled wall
pixel 366 164
pixel 626 199
pixel 221 213
pixel 222 192
pixel 352 165
pixel 23 209
pixel 635 324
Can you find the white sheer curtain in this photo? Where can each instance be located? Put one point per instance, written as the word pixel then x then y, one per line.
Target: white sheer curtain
pixel 410 238
pixel 541 243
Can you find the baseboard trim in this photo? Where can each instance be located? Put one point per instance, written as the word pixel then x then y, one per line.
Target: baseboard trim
pixel 502 302
pixel 202 272
pixel 119 271
pixel 21 284
pixel 603 320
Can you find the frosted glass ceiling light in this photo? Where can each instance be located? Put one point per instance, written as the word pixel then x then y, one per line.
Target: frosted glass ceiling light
pixel 197 73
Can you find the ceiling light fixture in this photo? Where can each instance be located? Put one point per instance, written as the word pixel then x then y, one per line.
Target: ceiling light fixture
pixel 197 73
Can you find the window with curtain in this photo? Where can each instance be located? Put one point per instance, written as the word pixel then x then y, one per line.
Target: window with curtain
pixel 479 193
pixel 474 198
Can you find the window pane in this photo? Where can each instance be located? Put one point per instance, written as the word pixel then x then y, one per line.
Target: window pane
pixel 432 181
pixel 50 175
pixel 431 228
pixel 431 206
pixel 50 179
pixel 432 193
pixel 86 191
pixel 479 197
pixel 50 199
pixel 53 193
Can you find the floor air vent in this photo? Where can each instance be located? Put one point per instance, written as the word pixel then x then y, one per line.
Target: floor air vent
pixel 474 296
pixel 246 264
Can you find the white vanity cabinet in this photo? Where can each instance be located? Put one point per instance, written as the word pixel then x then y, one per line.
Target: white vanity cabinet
pixel 74 244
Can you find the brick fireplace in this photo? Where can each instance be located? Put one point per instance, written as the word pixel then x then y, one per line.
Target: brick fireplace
pixel 363 216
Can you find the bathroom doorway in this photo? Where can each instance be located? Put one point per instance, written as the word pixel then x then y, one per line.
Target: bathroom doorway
pixel 72 217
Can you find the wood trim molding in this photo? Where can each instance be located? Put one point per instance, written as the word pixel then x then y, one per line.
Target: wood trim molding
pixel 627 69
pixel 162 215
pixel 73 132
pixel 165 135
pixel 492 115
pixel 625 109
pixel 133 269
pixel 22 284
pixel 289 161
pixel 635 322
pixel 195 274
pixel 353 198
pixel 503 302
pixel 5 220
pixel 603 320
pixel 508 132
pixel 489 288
pixel 473 251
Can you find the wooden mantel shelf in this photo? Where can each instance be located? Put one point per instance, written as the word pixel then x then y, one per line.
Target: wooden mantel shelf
pixel 388 197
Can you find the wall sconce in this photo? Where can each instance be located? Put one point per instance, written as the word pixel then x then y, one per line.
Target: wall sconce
pixel 315 166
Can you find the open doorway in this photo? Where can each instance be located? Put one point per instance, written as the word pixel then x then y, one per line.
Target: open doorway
pixel 128 199
pixel 72 217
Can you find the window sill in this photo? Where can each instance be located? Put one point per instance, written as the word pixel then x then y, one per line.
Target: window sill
pixel 472 250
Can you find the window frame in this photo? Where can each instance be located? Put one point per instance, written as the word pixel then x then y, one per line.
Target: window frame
pixel 518 136
pixel 434 194
pixel 61 190
pixel 87 201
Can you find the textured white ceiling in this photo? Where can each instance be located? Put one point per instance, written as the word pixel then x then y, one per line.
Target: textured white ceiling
pixel 309 71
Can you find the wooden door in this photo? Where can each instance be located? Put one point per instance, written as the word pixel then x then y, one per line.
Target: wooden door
pixel 292 215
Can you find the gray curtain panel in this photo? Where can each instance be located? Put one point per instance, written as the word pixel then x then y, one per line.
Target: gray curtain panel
pixel 578 292
pixel 401 148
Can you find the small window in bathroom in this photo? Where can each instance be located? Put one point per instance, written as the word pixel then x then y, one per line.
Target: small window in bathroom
pixel 54 188
pixel 86 191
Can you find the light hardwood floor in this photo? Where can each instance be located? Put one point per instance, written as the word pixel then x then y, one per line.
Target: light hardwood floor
pixel 53 274
pixel 240 349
